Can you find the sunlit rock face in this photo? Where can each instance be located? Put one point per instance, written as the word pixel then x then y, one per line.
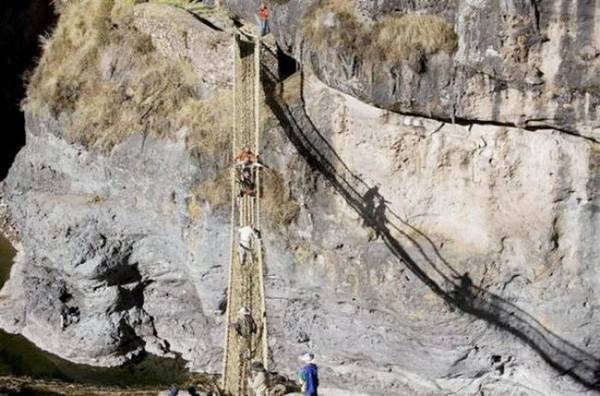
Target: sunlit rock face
pixel 451 252
pixel 527 63
pixel 426 257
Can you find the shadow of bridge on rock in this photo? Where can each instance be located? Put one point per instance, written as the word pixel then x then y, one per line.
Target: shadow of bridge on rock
pixel 427 264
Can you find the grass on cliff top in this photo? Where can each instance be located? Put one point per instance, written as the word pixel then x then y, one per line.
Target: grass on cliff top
pixel 334 24
pixel 104 79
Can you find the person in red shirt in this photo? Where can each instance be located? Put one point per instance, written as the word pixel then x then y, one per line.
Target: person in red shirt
pixel 263 16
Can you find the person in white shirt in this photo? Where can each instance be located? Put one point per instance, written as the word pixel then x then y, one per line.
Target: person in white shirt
pixel 246 238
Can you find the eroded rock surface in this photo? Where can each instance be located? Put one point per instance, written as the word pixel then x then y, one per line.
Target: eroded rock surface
pixel 475 252
pixel 426 258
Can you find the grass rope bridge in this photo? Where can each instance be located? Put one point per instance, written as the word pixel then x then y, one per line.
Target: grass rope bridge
pixel 246 284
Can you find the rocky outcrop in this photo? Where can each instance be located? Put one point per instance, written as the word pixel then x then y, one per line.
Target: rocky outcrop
pixel 105 252
pixel 108 250
pixel 529 64
pixel 425 257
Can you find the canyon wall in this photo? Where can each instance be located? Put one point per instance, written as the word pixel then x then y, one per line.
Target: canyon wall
pixel 416 255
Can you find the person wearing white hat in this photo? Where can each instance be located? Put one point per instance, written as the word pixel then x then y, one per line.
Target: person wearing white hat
pixel 309 375
pixel 245 325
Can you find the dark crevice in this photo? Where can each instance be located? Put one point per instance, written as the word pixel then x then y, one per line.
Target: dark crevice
pixel 286 64
pixel 536 14
pixel 531 128
pixel 22 22
pixel 205 21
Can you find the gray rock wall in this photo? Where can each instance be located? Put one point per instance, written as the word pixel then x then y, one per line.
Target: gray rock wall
pixel 528 63
pixel 427 258
pixel 108 248
pixel 476 253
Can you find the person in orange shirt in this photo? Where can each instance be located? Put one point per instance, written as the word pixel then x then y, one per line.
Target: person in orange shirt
pixel 263 16
pixel 246 157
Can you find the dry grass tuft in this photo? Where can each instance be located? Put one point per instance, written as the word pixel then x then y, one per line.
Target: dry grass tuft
pixel 333 24
pixel 106 81
pixel 395 38
pixel 212 123
pixel 290 88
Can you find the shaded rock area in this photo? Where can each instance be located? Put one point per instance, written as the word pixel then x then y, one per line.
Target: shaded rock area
pixel 21 25
pixel 425 257
pixel 531 64
pixel 98 260
pixel 32 387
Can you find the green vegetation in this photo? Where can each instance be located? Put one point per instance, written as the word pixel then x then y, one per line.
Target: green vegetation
pixel 334 24
pixel 104 79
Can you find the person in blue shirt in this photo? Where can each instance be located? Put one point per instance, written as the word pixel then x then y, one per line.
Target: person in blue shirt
pixel 309 375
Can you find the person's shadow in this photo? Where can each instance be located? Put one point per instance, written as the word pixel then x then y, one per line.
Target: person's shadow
pixel 427 264
pixel 374 210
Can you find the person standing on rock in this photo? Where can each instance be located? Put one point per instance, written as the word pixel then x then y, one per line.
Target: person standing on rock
pixel 309 375
pixel 246 236
pixel 263 17
pixel 258 382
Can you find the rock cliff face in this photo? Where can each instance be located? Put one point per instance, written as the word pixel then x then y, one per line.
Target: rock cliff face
pixel 425 258
pixel 531 64
pixel 94 224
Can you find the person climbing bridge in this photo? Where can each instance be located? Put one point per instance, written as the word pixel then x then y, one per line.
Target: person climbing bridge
pixel 245 326
pixel 309 375
pixel 246 235
pixel 258 382
pixel 245 158
pixel 247 186
pixel 263 16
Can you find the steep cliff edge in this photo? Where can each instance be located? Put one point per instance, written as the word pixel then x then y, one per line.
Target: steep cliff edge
pixel 412 255
pixel 531 64
pixel 21 25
